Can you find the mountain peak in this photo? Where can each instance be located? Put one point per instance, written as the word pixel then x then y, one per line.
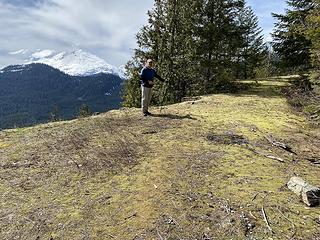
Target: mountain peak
pixel 75 62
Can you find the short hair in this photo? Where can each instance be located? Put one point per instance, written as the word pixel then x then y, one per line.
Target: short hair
pixel 149 60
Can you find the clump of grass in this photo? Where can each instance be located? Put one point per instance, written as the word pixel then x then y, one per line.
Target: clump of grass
pixel 304 97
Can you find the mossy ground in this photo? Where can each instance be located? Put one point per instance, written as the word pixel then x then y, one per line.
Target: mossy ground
pixel 119 175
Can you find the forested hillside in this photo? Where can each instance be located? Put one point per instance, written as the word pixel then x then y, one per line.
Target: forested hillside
pixel 37 93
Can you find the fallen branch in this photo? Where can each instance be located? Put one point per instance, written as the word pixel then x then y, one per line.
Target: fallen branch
pixel 265 154
pixel 313 160
pixel 280 144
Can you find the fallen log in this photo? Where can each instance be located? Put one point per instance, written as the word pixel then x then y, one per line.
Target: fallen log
pixel 310 194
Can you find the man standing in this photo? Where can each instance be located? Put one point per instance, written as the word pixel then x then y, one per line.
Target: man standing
pixel 147 76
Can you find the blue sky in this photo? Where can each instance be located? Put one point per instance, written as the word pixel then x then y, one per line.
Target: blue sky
pixel 263 9
pixel 106 28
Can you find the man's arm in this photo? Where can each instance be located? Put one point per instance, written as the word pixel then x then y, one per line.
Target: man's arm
pixel 159 77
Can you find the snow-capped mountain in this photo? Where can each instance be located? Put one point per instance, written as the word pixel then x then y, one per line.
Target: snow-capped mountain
pixel 75 63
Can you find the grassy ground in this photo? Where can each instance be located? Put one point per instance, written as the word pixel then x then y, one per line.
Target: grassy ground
pixel 189 172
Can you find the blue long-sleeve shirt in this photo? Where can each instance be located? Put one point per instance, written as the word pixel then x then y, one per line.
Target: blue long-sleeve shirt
pixel 148 74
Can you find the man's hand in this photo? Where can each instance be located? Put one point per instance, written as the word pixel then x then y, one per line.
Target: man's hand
pixel 150 82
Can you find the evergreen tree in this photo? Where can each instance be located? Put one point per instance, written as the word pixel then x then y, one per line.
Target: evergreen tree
pixel 167 39
pixel 218 38
pixel 54 115
pixel 290 41
pixel 196 44
pixel 253 51
pixel 313 34
pixel 84 111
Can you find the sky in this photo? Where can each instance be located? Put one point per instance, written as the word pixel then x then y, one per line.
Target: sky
pixel 106 28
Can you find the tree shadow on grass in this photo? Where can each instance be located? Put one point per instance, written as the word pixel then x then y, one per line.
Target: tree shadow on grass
pixel 174 116
pixel 265 91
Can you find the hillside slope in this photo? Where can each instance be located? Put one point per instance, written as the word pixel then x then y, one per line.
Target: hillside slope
pixel 189 172
pixel 29 94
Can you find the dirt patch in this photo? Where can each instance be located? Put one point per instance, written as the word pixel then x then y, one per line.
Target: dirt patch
pixel 227 138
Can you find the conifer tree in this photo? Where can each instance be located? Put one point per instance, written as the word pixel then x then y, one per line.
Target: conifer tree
pixel 196 44
pixel 84 111
pixel 313 34
pixel 54 115
pixel 290 41
pixel 253 51
pixel 166 39
pixel 218 37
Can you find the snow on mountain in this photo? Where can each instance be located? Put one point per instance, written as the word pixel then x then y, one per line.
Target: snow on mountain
pixel 42 54
pixel 122 72
pixel 19 52
pixel 75 63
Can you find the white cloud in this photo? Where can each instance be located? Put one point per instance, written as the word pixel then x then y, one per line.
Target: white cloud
pixel 104 27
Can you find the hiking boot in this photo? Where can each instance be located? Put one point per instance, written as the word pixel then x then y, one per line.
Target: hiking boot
pixel 147 114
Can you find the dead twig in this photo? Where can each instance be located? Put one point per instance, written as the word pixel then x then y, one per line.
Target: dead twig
pixel 132 216
pixel 255 196
pixel 274 158
pixel 159 235
pixel 75 163
pixel 266 219
pixel 252 215
pixel 111 236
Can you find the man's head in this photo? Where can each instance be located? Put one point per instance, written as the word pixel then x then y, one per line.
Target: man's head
pixel 149 63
